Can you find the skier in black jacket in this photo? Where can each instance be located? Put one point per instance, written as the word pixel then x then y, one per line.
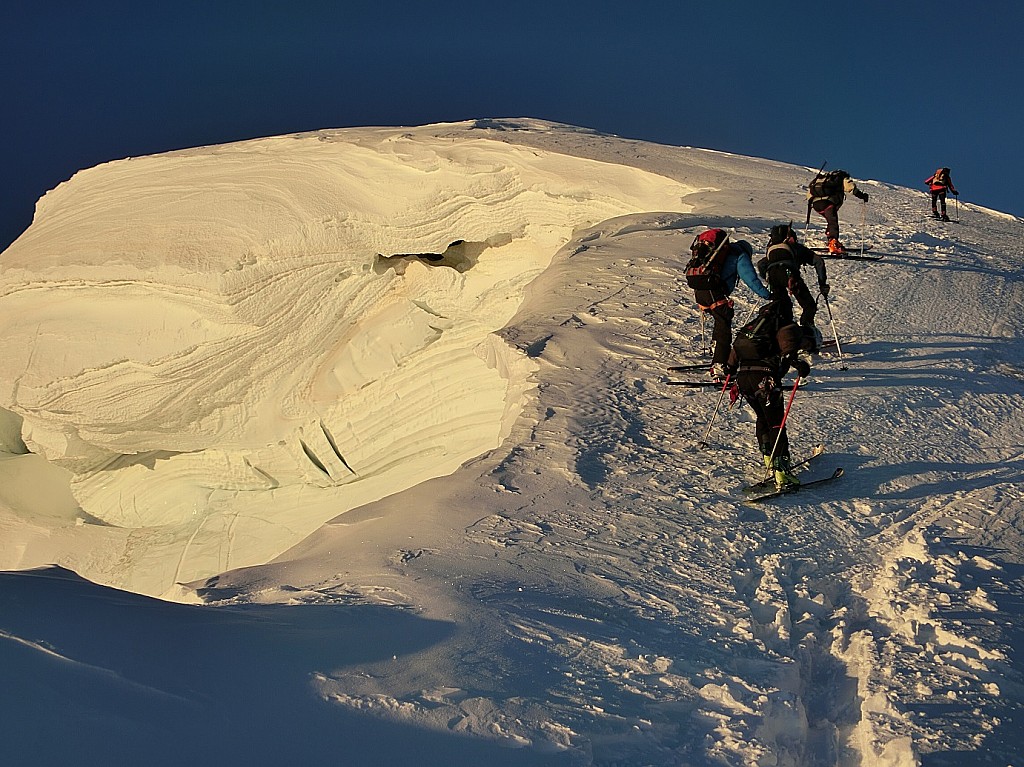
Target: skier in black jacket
pixel 780 268
pixel 764 350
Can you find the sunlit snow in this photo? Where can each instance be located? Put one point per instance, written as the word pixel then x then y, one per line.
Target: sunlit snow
pixel 228 346
pixel 383 415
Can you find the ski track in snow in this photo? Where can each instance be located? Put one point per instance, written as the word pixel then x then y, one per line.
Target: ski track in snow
pixel 852 625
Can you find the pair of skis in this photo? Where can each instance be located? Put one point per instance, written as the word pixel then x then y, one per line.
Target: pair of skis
pixel 711 383
pixel 694 368
pixel 861 254
pixel 766 490
pixel 755 496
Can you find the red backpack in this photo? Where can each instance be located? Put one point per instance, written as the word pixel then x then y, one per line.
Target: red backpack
pixel 708 252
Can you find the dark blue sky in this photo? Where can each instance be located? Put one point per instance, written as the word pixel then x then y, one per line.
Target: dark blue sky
pixel 887 90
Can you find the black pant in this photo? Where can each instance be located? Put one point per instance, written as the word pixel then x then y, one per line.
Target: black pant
pixel 809 306
pixel 761 388
pixel 721 331
pixel 939 197
pixel 802 294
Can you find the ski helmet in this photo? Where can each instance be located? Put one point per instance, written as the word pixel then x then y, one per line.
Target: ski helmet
pixel 781 233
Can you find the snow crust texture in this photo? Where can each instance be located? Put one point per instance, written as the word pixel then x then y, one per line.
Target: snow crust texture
pixel 429 440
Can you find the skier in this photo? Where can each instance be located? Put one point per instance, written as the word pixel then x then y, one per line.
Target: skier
pixel 939 183
pixel 780 268
pixel 721 263
pixel 764 350
pixel 825 196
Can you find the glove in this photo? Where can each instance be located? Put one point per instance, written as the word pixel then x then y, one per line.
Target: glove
pixel 862 195
pixel 730 370
pixel 734 394
pixel 824 288
pixel 801 367
pixel 956 194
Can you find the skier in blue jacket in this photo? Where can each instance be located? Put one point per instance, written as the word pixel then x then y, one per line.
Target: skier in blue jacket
pixel 735 266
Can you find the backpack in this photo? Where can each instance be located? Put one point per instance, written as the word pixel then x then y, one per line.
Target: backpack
pixel 828 184
pixel 780 266
pixel 704 269
pixel 940 178
pixel 756 340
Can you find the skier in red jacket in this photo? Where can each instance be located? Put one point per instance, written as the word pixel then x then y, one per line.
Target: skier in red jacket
pixel 939 183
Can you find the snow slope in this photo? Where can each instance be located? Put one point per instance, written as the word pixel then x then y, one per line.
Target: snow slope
pixel 546 568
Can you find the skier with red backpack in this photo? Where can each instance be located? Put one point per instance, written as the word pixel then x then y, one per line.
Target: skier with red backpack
pixel 938 184
pixel 825 195
pixel 716 265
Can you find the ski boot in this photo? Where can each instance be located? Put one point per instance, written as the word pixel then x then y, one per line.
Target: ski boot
pixel 835 248
pixel 944 217
pixel 785 479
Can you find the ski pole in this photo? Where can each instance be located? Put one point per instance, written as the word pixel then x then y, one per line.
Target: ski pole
pixel 863 225
pixel 703 338
pixel 785 417
pixel 725 387
pixel 956 205
pixel 839 348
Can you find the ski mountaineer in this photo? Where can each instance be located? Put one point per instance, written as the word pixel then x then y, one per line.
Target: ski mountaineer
pixel 780 268
pixel 825 196
pixel 938 184
pixel 729 262
pixel 764 350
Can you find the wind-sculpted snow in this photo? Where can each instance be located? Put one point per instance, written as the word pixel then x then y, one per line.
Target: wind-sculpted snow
pixel 222 348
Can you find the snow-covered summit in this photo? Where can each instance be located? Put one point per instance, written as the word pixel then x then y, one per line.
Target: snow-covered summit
pixel 433 359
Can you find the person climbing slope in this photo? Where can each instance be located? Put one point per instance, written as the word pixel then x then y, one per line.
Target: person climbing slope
pixel 764 351
pixel 825 196
pixel 716 265
pixel 939 183
pixel 780 268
